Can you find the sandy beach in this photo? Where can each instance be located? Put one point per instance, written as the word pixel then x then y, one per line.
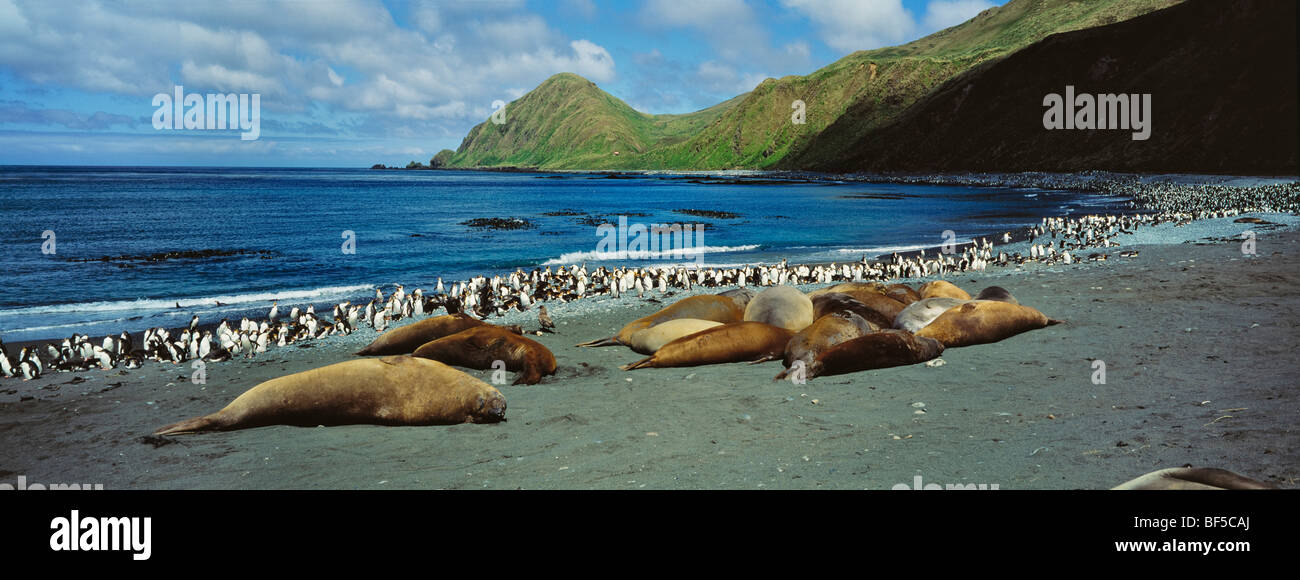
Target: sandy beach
pixel 1198 342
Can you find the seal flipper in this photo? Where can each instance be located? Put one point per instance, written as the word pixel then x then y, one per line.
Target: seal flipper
pixel 643 363
pixel 195 425
pixel 611 341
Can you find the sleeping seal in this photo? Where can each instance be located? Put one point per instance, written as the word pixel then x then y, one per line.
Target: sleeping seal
pixel 922 312
pixel 1193 478
pixel 736 342
pixel 983 322
pixel 713 307
pixel 406 339
pixel 782 306
pixel 652 339
pixel 943 288
pixel 874 350
pixel 395 390
pixel 825 333
pixel 481 346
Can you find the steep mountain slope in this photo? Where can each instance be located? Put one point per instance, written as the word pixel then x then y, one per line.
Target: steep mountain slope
pixel 1221 75
pixel 567 122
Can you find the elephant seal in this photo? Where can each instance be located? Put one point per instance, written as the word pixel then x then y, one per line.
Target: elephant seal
pixel 826 332
pixel 1193 478
pixel 481 346
pixel 997 293
pixel 742 296
pixel 922 312
pixel 833 302
pixel 652 339
pixel 852 288
pixel 405 339
pixel 983 322
pixel 902 293
pixel 736 342
pixel 783 306
pixel 395 390
pixel 713 307
pixel 943 288
pixel 875 350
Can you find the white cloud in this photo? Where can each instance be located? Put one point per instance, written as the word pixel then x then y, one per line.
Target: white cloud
pixel 940 14
pixel 852 25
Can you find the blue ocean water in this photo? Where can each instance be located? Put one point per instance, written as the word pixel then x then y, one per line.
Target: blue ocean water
pixel 408 228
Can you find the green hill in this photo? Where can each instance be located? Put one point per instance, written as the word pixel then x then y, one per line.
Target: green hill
pixel 569 123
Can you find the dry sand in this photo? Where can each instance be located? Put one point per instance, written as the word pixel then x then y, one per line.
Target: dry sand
pixel 1198 343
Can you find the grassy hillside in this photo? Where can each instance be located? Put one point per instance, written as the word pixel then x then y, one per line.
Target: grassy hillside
pixel 567 122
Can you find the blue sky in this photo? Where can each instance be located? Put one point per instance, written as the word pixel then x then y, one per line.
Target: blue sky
pixel 355 82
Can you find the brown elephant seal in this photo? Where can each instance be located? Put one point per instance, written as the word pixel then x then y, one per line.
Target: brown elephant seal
pixel 983 322
pixel 652 339
pixel 944 289
pixel 781 306
pixel 852 288
pixel 824 333
pixel 902 293
pixel 405 339
pixel 481 346
pixel 876 350
pixel 922 312
pixel 997 293
pixel 713 307
pixel 395 390
pixel 736 342
pixel 1193 478
pixel 833 302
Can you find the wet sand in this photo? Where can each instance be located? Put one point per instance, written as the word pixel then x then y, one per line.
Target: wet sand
pixel 1198 341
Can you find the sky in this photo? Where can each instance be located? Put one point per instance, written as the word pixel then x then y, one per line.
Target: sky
pixel 350 83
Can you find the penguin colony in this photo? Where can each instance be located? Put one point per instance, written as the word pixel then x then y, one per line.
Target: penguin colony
pixel 1056 240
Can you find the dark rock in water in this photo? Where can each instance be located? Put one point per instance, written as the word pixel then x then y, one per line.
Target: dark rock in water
pixel 566 212
pixel 175 255
pixel 726 215
pixel 499 223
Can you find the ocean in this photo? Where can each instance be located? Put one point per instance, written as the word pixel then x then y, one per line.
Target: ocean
pixel 77 241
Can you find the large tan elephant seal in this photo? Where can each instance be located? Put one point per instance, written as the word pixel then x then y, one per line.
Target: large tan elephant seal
pixel 713 307
pixel 480 347
pixel 874 350
pixel 395 390
pixel 824 333
pixel 943 288
pixel 652 339
pixel 983 322
pixel 1193 478
pixel 782 306
pixel 405 339
pixel 736 342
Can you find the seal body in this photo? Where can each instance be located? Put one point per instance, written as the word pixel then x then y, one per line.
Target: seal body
pixel 823 334
pixel 736 342
pixel 713 307
pixel 875 350
pixel 782 306
pixel 943 288
pixel 832 302
pixel 996 293
pixel 652 339
pixel 397 390
pixel 1193 478
pixel 481 346
pixel 902 293
pixel 983 322
pixel 922 312
pixel 405 339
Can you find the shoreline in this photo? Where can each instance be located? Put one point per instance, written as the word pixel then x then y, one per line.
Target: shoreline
pixel 1022 413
